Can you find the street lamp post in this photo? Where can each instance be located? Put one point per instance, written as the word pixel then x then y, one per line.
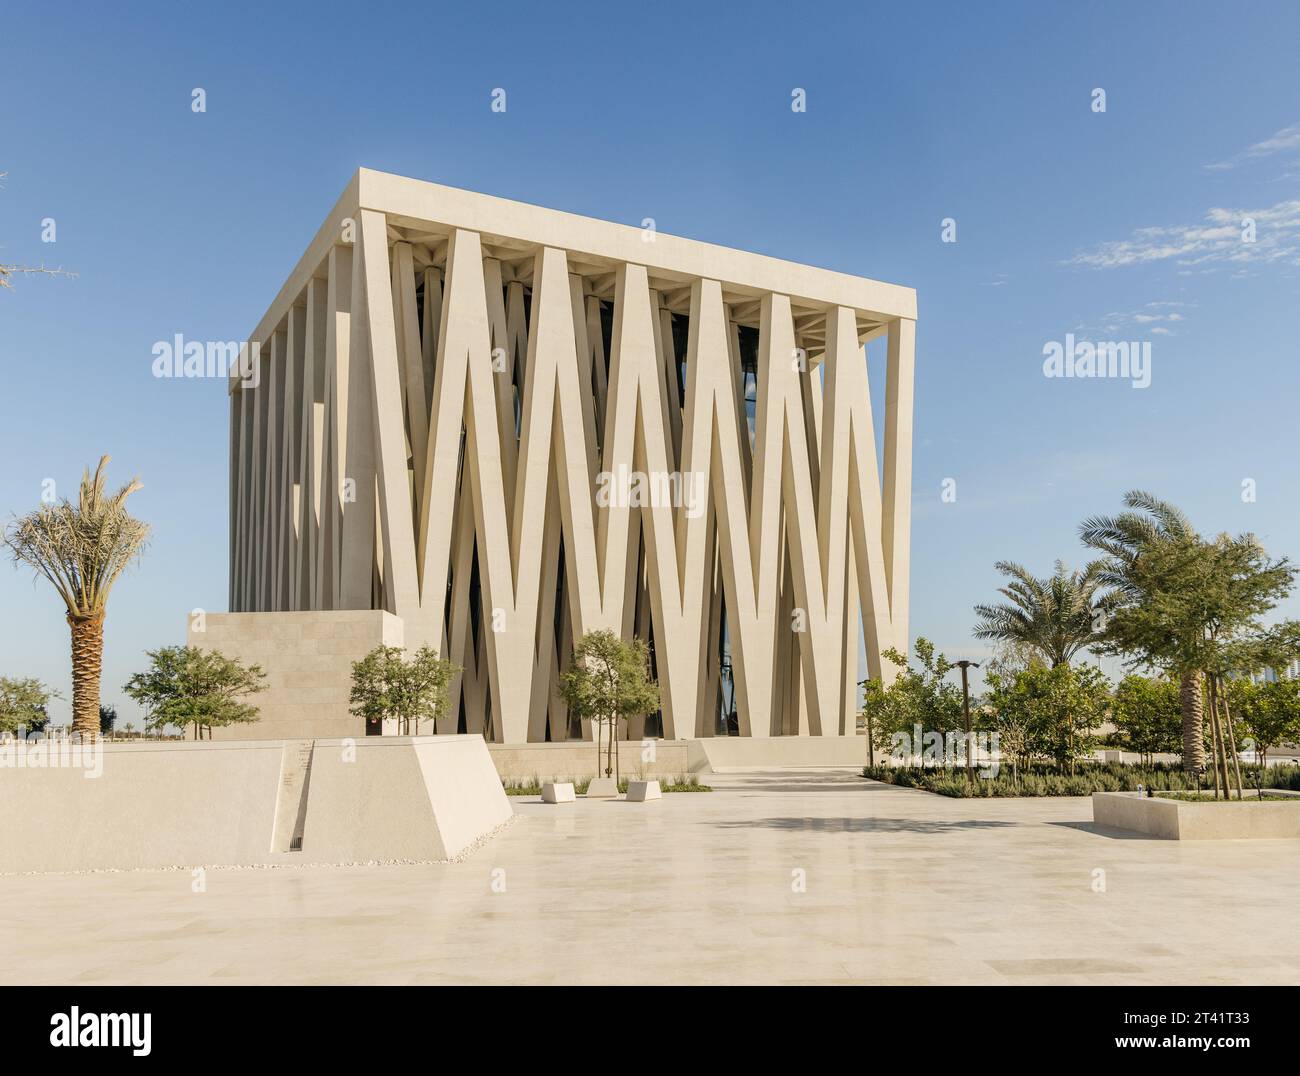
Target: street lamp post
pixel 965 665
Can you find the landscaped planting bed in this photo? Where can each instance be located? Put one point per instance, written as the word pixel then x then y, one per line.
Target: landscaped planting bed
pixel 1089 777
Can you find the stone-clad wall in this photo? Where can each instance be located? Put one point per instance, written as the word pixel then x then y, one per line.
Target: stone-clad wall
pixel 307 657
pixel 577 758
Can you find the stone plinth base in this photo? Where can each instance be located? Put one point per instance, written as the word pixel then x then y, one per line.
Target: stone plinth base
pixel 307 658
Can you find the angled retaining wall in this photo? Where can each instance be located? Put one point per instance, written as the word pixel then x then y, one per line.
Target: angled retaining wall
pixel 253 803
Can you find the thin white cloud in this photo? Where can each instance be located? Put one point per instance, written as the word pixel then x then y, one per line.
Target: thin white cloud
pixel 1285 139
pixel 1155 318
pixel 1218 240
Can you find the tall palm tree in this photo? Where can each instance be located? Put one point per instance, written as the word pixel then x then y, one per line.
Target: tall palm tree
pixel 81 549
pixel 1123 538
pixel 1057 616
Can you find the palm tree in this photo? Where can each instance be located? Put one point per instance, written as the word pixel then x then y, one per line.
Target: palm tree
pixel 1057 616
pixel 81 549
pixel 1123 538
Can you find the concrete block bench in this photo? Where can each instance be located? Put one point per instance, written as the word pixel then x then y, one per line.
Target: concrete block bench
pixel 640 791
pixel 558 792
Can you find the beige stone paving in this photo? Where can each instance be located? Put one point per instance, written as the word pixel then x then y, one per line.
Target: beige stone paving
pixel 901 887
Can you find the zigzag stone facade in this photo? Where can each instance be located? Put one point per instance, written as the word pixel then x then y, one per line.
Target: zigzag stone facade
pixel 506 426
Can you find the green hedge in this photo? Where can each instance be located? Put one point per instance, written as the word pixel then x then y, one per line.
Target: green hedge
pixel 1042 780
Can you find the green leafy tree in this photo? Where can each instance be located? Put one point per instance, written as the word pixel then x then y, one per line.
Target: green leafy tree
pixel 107 719
pixel 1148 714
pixel 1008 658
pixel 200 688
pixel 1041 711
pixel 919 697
pixel 385 684
pixel 82 548
pixel 1182 603
pixel 23 704
pixel 1200 608
pixel 876 701
pixel 1056 617
pixel 608 678
pixel 1269 712
pixel 1014 724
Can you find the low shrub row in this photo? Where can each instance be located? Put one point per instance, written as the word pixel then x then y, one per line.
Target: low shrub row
pixel 1043 780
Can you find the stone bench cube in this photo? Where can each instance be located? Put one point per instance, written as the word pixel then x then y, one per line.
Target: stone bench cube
pixel 640 791
pixel 602 788
pixel 558 792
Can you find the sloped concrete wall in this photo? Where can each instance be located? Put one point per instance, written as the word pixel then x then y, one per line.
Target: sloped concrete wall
pixel 307 657
pixel 464 790
pixel 215 804
pixel 401 797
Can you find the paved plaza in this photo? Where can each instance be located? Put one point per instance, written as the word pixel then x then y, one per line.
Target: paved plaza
pixel 792 876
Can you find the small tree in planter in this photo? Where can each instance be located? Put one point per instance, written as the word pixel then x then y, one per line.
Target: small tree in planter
pixel 608 678
pixel 188 686
pixel 385 684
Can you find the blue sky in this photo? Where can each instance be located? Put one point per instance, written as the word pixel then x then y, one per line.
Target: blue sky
pixel 1117 225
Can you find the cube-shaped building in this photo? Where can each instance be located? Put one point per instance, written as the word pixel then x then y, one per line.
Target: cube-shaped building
pixel 490 428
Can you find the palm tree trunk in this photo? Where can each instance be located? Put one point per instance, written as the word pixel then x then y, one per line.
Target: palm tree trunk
pixel 1193 707
pixel 87 661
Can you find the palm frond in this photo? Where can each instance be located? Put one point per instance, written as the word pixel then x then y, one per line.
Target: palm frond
pixel 81 548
